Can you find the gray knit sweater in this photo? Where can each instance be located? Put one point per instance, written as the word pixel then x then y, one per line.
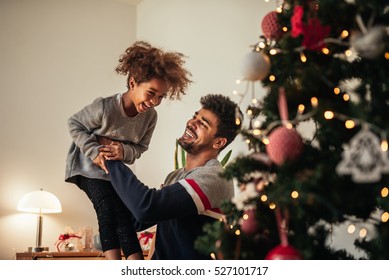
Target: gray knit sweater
pixel 106 117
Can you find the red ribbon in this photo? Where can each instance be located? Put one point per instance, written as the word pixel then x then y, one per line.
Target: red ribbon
pixel 63 237
pixel 146 235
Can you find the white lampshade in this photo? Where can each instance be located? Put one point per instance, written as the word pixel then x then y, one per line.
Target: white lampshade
pixel 39 202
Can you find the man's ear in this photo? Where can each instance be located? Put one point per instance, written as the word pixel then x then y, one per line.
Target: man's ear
pixel 220 142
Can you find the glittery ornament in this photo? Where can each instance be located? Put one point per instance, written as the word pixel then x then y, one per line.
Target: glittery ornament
pixel 255 66
pixel 284 144
pixel 270 27
pixel 283 252
pixel 363 158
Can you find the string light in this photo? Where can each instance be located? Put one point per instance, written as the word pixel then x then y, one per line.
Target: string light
pixel 363 233
pixel 384 192
pixel 385 217
pixel 351 229
pixel 336 90
pixel 285 29
pixel 329 115
pixel 348 53
pixel 325 50
pixel 349 124
pixel 213 256
pixel 300 109
pixel 263 198
pixel 272 205
pixel 314 102
pixel 294 194
pixel 273 51
pixel 237 232
pixel 272 78
pixel 303 58
pixel 344 34
pixel 387 55
pixel 346 97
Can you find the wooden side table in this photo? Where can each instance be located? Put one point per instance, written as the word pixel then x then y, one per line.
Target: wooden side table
pixel 60 256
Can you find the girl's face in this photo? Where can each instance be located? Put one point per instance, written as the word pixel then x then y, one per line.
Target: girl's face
pixel 147 95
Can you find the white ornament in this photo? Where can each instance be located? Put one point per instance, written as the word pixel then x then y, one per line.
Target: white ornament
pixel 364 159
pixel 255 66
pixel 372 44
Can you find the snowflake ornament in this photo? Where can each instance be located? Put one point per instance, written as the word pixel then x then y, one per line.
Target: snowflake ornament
pixel 364 159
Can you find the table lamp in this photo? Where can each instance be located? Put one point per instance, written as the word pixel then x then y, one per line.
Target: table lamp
pixel 39 202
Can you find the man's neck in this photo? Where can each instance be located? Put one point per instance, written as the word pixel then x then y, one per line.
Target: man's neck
pixel 193 161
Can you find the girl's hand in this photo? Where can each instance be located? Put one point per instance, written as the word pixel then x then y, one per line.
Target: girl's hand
pixel 100 161
pixel 113 151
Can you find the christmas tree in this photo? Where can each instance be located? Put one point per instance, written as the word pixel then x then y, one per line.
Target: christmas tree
pixel 325 66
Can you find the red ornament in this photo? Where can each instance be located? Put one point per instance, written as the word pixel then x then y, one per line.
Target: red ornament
pixel 250 224
pixel 314 34
pixel 284 144
pixel 283 252
pixel 270 27
pixel 297 21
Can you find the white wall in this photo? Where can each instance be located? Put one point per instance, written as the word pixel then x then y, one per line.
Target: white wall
pixel 56 56
pixel 215 35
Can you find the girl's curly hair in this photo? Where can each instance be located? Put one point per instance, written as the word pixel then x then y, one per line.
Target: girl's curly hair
pixel 144 62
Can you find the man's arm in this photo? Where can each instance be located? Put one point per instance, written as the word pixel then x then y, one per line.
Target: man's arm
pixel 149 204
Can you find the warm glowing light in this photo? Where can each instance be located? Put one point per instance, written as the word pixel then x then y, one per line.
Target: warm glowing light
pixel 387 55
pixel 294 194
pixel 384 145
pixel 262 45
pixel 351 229
pixel 285 29
pixel 238 82
pixel 263 197
pixel 237 121
pixel 325 50
pixel 213 256
pixel 265 141
pixel 384 192
pixel 288 125
pixel 385 217
pixel 303 58
pixel 237 232
pixel 349 124
pixel 254 101
pixel 272 205
pixel 231 226
pixel 336 90
pixel 279 10
pixel 348 53
pixel 235 92
pixel 363 232
pixel 256 132
pixel 272 78
pixel 314 102
pixel 344 34
pixel 249 112
pixel 257 124
pixel 273 51
pixel 346 97
pixel 248 141
pixel 329 115
pixel 301 109
pixel 245 216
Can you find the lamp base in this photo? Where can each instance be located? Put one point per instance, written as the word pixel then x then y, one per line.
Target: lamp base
pixel 38 249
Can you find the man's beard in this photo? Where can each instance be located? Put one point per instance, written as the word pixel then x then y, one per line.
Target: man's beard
pixel 187 147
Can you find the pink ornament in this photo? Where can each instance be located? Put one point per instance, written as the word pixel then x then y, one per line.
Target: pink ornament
pixel 270 26
pixel 283 252
pixel 284 144
pixel 250 225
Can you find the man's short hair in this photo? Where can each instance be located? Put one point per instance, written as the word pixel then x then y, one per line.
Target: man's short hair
pixel 227 112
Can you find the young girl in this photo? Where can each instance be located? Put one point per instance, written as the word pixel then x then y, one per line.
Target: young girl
pixel 127 120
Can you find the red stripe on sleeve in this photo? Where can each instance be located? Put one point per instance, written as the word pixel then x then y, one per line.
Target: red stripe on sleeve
pixel 200 193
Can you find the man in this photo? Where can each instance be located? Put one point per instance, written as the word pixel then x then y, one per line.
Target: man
pixel 191 195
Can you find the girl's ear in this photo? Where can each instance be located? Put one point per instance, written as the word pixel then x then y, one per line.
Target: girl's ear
pixel 220 143
pixel 131 83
